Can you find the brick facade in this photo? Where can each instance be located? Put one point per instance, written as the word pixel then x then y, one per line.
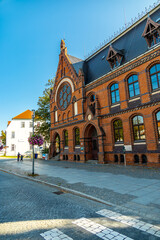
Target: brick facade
pixel 93 113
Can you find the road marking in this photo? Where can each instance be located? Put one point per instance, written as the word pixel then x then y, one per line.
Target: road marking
pixel 99 230
pixel 55 234
pixel 133 222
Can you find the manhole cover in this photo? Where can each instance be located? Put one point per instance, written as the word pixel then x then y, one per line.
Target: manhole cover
pixel 58 192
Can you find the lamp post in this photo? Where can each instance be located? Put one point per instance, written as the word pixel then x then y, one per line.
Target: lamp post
pixel 33 116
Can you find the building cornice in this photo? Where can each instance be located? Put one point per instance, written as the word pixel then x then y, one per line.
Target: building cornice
pixel 129 110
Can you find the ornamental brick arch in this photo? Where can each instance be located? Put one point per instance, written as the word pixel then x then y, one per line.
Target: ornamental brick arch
pixel 155 123
pixel 149 66
pixel 91 142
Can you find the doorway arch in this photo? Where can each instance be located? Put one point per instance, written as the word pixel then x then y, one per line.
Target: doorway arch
pixel 91 142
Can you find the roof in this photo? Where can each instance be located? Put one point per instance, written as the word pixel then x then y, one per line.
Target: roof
pixel 131 43
pixel 24 115
pixel 76 62
pixel 8 123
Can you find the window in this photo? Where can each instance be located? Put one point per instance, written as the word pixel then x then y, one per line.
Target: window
pixel 115 93
pixel 138 128
pixel 92 98
pixel 77 137
pixel 136 158
pixel 121 158
pixel 118 131
pixel 155 76
pixel 116 158
pixel 144 159
pixel 133 86
pixel 66 138
pixel 56 116
pixel 151 32
pixel 64 96
pixel 30 134
pixel 12 147
pixel 158 123
pixel 114 57
pixel 30 124
pixel 13 135
pixel 22 124
pixel 75 108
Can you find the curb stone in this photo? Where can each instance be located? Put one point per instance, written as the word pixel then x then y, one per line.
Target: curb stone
pixel 63 189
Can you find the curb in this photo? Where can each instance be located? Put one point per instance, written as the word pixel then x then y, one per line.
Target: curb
pixel 63 189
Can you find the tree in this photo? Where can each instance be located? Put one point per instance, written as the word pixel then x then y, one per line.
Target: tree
pixel 3 137
pixel 42 114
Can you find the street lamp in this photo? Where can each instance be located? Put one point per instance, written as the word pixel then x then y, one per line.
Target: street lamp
pixel 33 116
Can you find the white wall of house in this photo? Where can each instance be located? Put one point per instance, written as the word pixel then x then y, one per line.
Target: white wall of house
pixel 17 134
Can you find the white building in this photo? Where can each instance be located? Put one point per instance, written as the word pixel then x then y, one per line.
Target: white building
pixel 17 134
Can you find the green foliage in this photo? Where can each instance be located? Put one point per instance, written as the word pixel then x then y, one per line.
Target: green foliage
pixel 3 137
pixel 42 114
pixel 46 150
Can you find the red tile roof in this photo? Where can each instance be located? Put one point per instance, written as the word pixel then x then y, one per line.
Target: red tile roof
pixel 25 115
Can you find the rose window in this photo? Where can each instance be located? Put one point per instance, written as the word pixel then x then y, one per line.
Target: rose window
pixel 64 96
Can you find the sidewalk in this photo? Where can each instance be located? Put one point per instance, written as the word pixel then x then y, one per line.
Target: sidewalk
pixel 126 189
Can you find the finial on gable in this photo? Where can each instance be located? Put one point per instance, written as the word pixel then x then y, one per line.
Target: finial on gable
pixel 62 45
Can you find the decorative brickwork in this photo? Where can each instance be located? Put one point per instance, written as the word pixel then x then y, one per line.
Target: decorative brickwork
pixel 104 126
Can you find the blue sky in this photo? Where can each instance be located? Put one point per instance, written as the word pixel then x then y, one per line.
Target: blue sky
pixel 30 35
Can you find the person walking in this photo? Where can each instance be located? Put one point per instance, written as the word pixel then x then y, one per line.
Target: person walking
pixel 21 157
pixel 18 156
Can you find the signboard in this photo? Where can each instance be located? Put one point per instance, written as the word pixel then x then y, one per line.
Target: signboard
pixel 128 148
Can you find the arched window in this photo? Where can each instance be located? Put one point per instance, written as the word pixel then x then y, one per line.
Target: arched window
pixel 77 136
pixel 158 123
pixel 133 86
pixel 155 76
pixel 144 159
pixel 115 93
pixel 65 138
pixel 118 131
pixel 116 158
pixel 68 115
pixel 138 128
pixel 136 158
pixel 121 158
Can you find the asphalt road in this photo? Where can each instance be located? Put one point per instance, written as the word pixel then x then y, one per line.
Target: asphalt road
pixel 28 209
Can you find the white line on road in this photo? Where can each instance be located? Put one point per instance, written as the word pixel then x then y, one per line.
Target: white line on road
pixel 55 234
pixel 99 230
pixel 133 222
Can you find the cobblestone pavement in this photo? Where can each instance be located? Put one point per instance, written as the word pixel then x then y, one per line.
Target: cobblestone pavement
pixel 34 211
pixel 132 189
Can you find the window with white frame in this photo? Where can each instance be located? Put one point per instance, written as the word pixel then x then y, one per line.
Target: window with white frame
pixel 22 124
pixel 12 134
pixel 75 108
pixel 12 147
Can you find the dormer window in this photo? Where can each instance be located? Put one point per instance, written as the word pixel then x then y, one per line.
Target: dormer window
pixel 151 32
pixel 114 57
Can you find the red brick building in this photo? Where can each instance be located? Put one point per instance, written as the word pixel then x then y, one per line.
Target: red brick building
pixel 110 100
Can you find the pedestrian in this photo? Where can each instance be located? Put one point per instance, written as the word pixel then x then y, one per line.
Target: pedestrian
pixel 21 157
pixel 18 156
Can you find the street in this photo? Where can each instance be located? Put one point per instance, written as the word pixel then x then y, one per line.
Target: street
pixel 31 210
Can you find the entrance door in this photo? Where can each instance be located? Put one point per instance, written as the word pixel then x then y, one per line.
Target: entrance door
pixel 94 143
pixel 94 149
